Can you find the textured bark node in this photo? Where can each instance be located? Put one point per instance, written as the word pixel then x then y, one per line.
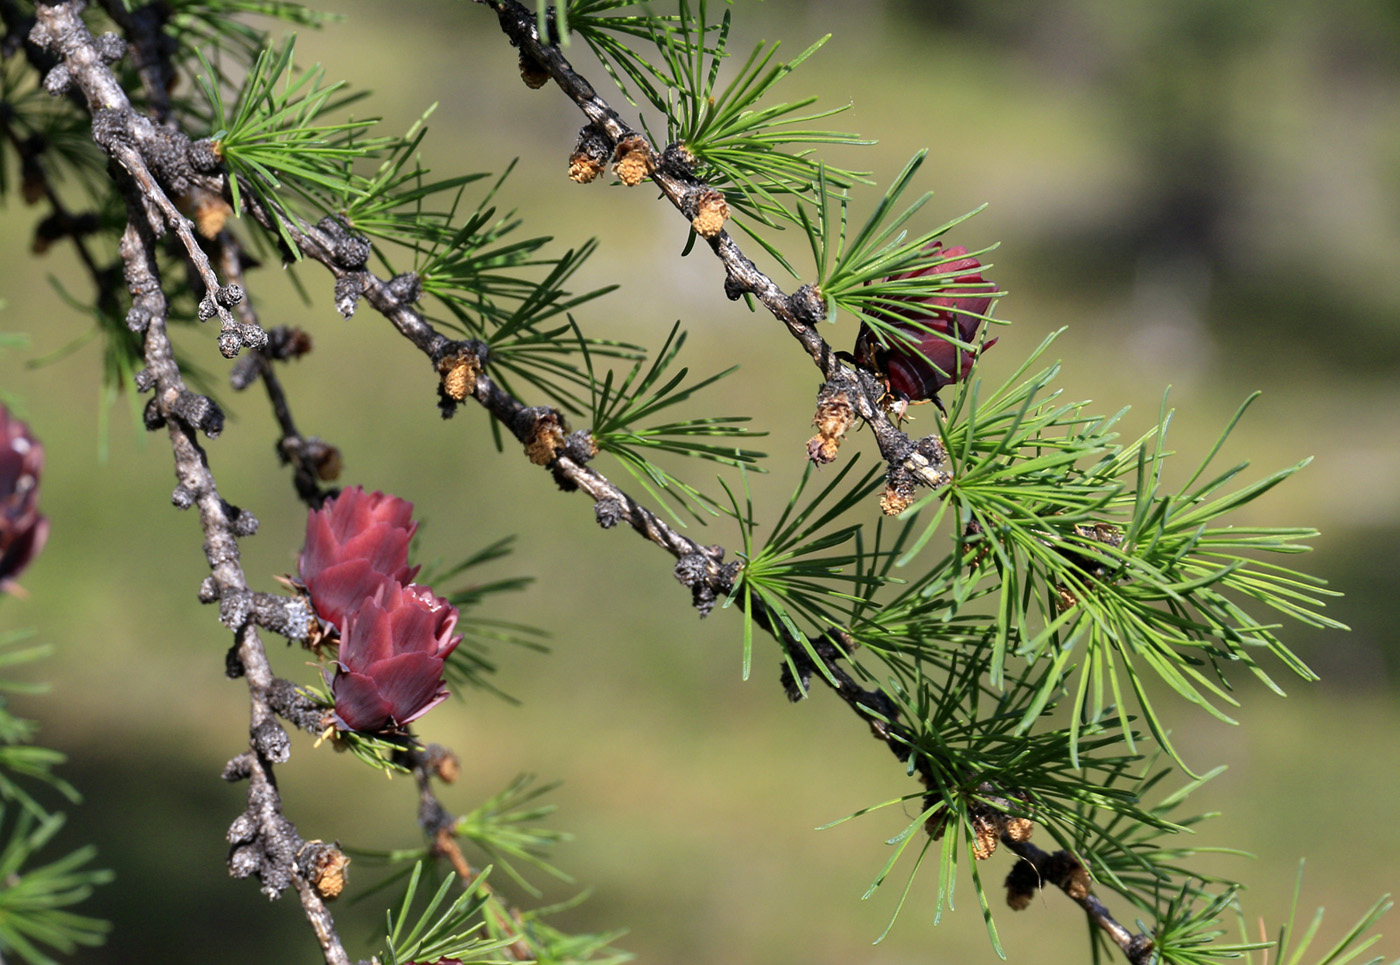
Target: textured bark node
pixel 153 160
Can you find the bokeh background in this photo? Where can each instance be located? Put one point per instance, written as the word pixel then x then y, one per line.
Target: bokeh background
pixel 1207 195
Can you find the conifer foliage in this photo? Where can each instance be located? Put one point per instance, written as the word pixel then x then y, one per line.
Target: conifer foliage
pixel 996 600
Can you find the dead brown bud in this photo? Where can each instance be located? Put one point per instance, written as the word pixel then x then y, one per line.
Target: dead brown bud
pixel 325 458
pixel 711 212
pixel 32 186
pixel 292 344
pixel 1021 884
pixel 312 453
pixel 1065 870
pixel 532 72
pixel 1079 885
pixel 821 451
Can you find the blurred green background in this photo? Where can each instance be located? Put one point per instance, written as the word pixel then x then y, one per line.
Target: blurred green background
pixel 1207 194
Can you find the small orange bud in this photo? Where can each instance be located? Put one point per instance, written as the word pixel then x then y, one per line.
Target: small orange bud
pixel 545 439
pixel 590 155
pixel 211 213
pixel 986 830
pixel 632 169
pixel 325 866
pixel 834 417
pixel 895 500
pixel 447 768
pixel 1019 829
pixel 459 374
pixel 711 212
pixel 634 162
pixel 441 762
pixel 583 168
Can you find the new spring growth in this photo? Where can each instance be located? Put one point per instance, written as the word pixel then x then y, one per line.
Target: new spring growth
pixel 394 635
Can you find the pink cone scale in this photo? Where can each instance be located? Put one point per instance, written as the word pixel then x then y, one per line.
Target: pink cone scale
pixel 394 634
pixel 916 369
pixel 354 544
pixel 389 669
pixel 23 531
